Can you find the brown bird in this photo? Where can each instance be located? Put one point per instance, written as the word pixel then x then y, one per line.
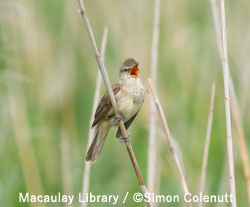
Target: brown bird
pixel 129 94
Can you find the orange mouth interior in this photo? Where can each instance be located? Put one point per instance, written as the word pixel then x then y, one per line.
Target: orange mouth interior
pixel 134 71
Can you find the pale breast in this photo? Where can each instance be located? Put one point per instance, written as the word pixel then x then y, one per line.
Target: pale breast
pixel 130 98
pixel 127 107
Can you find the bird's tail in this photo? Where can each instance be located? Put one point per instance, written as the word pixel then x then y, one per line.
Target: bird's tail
pixel 100 134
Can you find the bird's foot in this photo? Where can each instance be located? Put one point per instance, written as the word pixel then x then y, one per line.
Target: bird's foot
pixel 117 119
pixel 125 139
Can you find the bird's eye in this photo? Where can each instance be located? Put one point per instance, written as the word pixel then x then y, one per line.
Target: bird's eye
pixel 126 70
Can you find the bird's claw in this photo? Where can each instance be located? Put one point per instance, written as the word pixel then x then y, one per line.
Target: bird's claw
pixel 117 119
pixel 125 139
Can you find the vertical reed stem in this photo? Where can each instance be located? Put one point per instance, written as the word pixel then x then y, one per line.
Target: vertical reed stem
pixel 169 140
pixel 207 142
pixel 224 59
pixel 86 174
pixel 152 146
pixel 234 105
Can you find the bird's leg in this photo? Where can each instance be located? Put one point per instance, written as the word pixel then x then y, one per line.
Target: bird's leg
pixel 125 139
pixel 117 119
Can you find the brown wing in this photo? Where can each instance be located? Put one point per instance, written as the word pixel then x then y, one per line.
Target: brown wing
pixel 127 124
pixel 105 104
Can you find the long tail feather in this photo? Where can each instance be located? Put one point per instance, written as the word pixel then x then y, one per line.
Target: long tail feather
pixel 101 132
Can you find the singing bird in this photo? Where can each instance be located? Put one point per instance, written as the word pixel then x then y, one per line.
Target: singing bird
pixel 129 94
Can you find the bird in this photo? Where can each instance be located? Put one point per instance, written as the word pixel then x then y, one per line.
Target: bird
pixel 129 94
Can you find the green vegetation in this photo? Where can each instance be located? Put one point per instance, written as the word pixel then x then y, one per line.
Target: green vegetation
pixel 47 82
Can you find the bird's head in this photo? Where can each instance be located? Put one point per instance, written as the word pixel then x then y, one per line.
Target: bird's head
pixel 129 69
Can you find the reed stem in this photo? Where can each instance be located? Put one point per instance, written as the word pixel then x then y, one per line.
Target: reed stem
pixel 105 77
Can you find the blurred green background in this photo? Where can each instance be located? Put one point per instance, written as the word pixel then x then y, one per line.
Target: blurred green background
pixel 47 82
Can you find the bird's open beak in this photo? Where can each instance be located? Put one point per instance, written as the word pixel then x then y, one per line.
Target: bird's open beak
pixel 134 71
